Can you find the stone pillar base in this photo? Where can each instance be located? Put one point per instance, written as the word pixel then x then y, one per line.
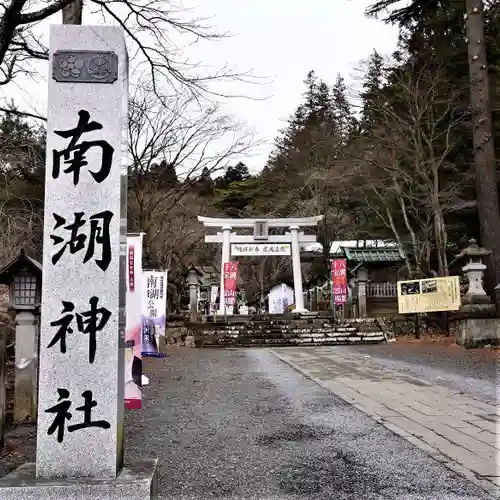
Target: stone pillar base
pixel 299 311
pixel 479 329
pixel 138 481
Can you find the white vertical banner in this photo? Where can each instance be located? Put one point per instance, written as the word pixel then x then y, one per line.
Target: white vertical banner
pixel 214 291
pixel 154 306
pixel 133 338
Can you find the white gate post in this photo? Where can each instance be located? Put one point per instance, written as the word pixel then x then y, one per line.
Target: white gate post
pixel 297 271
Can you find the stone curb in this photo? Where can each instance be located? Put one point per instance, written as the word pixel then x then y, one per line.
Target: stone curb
pixel 484 484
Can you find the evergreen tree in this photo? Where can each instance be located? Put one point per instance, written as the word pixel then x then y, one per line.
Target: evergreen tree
pixel 310 132
pixel 238 173
pixel 371 94
pixel 171 174
pixel 164 175
pixel 342 112
pixel 237 197
pixel 205 184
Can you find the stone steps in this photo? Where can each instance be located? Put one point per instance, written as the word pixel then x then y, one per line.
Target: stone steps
pixel 291 342
pixel 287 332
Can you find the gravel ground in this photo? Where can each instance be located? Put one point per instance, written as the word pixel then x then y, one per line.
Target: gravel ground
pixel 474 371
pixel 240 424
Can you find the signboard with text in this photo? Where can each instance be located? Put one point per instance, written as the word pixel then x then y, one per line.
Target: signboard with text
pixel 429 295
pixel 255 249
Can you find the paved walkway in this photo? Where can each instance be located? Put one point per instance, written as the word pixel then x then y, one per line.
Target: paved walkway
pixel 239 424
pixel 456 428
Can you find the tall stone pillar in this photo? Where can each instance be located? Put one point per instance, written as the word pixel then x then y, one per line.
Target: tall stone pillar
pixel 297 270
pixel 82 336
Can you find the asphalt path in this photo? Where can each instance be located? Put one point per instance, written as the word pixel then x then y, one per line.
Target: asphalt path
pixel 240 424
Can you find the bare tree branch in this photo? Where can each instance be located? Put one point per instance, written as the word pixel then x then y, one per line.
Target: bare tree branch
pixel 154 28
pixel 172 144
pixel 26 114
pixel 406 164
pixel 40 15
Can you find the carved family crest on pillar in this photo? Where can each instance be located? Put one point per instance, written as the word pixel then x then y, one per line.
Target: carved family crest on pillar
pixel 85 66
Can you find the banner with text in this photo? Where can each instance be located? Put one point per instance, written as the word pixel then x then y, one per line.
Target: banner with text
pixel 429 295
pixel 154 306
pixel 339 281
pixel 133 338
pixel 230 282
pixel 261 249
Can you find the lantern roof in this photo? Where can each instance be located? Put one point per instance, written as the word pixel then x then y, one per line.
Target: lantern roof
pixel 21 264
pixel 473 250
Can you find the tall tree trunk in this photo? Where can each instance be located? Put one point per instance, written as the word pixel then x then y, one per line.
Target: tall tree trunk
pixel 484 151
pixel 8 25
pixel 72 13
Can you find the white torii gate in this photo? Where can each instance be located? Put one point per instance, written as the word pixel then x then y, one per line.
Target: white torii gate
pixel 261 225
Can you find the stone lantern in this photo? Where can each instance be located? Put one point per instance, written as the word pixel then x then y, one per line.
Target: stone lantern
pixel 474 270
pixel 23 276
pixel 476 324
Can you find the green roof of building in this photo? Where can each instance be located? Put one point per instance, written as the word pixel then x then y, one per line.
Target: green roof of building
pixel 373 254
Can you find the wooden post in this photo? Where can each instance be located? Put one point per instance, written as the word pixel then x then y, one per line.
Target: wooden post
pixel 72 13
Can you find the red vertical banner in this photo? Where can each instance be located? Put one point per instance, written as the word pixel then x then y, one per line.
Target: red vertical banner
pixel 230 282
pixel 339 281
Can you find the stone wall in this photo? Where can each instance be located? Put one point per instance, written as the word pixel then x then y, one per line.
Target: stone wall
pixel 378 307
pixel 477 332
pixel 176 332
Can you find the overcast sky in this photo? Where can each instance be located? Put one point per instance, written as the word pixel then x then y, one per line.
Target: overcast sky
pixel 279 41
pixel 283 40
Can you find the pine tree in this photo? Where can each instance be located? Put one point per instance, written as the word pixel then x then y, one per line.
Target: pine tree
pixel 171 174
pixel 371 94
pixel 238 173
pixel 312 122
pixel 342 112
pixel 205 184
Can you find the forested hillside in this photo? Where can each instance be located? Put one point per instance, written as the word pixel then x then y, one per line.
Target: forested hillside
pixel 392 158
